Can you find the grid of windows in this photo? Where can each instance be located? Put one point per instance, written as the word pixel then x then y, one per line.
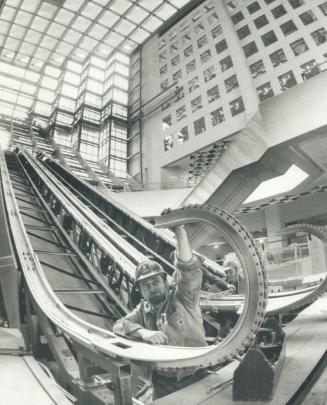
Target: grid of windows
pixel 204 57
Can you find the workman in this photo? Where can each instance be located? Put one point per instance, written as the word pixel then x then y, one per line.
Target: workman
pixel 168 317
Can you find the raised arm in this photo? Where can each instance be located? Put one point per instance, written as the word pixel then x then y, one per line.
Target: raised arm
pixel 190 274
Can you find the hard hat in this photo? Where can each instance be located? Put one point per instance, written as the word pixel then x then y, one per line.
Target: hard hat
pixel 146 269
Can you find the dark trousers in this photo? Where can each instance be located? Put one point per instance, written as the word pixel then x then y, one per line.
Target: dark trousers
pixel 166 385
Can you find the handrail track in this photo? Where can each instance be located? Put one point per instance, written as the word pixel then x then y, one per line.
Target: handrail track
pixel 216 302
pixel 110 346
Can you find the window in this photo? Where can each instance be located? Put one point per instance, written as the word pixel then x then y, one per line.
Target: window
pixel 162 57
pixel 180 93
pixel 323 8
pixel 319 36
pixel 188 51
pixel 199 126
pixel 261 21
pixel 288 27
pixel 163 70
pixel 213 18
pixel 162 43
pixel 278 11
pixel 278 57
pixel 243 32
pixel 236 106
pixel 181 113
pixel 168 142
pixel 216 31
pixel 296 3
pixel 257 69
pixel 269 38
pixel 221 46
pixel 226 63
pixel 202 41
pixel 165 105
pixel 250 49
pixel 253 7
pixel 182 135
pixel 205 56
pixel 193 84
pixel 231 83
pixel 190 66
pixel 177 76
pixel 217 116
pixel 198 29
pixel 269 1
pixel 213 94
pixel 196 104
pixel 287 80
pixel 184 25
pixel 166 122
pixel 196 16
pixel 236 18
pixel 164 85
pixel 308 17
pixel 265 91
pixel 209 74
pixel 299 46
pixel 175 61
pixel 309 69
pixel 186 38
pixel 174 48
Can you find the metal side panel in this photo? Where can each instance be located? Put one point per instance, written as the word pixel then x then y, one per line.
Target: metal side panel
pixel 23 381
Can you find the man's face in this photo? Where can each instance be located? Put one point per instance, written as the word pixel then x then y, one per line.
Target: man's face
pixel 154 289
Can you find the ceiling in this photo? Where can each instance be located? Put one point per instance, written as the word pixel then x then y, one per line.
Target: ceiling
pixel 39 38
pixel 36 32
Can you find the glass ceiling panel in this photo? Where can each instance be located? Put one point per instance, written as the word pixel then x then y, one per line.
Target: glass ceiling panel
pixel 114 39
pixel 30 6
pixel 81 24
pixel 48 42
pixel 165 11
pixel 73 36
pixel 98 31
pixel 39 24
pixel 17 31
pixel 91 10
pixel 47 10
pixel 137 14
pixel 12 44
pixel 152 23
pixel 4 27
pixel 13 3
pixel 150 4
pixel 179 3
pixel 139 35
pixel 56 30
pixel 120 6
pixel 108 19
pixel 125 27
pixel 73 4
pixel 23 18
pixel 88 43
pixel 8 13
pixel 64 17
pixel 33 36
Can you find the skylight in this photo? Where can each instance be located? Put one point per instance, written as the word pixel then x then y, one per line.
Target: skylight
pixel 277 185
